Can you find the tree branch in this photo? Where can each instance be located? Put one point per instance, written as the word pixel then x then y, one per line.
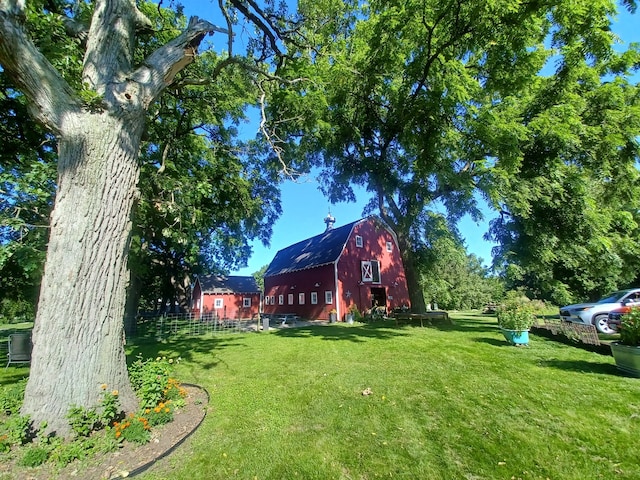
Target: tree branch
pixel 160 68
pixel 50 96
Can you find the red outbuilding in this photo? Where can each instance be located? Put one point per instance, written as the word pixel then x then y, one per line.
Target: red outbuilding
pixel 358 264
pixel 225 297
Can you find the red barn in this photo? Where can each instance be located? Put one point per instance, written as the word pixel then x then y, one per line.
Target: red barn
pixel 226 297
pixel 358 264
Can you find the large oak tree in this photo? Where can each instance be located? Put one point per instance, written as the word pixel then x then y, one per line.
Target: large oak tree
pixel 98 123
pixel 408 94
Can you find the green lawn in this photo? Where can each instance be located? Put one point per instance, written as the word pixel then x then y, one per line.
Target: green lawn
pixel 450 402
pixel 447 402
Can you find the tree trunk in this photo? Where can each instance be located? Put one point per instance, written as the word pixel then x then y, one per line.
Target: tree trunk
pixel 416 296
pixel 134 292
pixel 78 334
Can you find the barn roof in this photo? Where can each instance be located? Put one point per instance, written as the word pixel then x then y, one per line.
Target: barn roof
pixel 224 284
pixel 312 252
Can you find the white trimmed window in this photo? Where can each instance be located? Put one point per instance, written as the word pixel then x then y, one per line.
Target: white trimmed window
pixel 358 241
pixel 246 302
pixel 218 303
pixel 314 298
pixel 290 299
pixel 389 247
pixel 266 300
pixel 301 298
pixel 273 299
pixel 280 299
pixel 370 270
pixel 328 297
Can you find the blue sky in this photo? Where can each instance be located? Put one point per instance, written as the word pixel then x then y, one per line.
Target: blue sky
pixel 303 205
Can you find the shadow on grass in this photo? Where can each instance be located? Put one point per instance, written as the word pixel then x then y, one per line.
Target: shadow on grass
pixel 496 342
pixel 13 375
pixel 187 348
pixel 581 366
pixel 351 333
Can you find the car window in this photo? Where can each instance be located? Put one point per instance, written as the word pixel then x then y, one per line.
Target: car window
pixel 613 297
pixel 633 297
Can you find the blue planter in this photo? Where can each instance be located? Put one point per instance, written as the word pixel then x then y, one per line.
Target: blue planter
pixel 516 337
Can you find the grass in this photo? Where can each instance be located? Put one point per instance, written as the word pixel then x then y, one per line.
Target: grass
pixel 447 402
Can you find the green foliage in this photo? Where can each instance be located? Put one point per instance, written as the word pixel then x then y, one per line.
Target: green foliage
pixel 97 429
pixel 357 315
pixel 134 428
pixel 517 312
pixel 151 380
pixel 34 455
pixel 17 429
pixel 65 453
pixel 429 104
pixel 11 397
pixel 450 277
pixel 569 226
pixel 630 328
pixel 84 421
pixel 160 414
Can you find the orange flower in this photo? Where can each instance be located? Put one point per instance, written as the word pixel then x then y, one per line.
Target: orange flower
pixel 103 386
pixel 118 434
pixel 114 393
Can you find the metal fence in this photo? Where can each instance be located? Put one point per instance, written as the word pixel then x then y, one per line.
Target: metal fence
pixel 174 324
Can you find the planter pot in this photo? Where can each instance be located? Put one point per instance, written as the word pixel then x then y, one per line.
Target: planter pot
pixel 516 337
pixel 349 317
pixel 627 358
pixel 333 317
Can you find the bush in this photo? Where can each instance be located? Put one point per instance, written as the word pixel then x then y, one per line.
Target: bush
pixel 630 328
pixel 133 428
pixel 16 311
pixel 517 312
pixel 84 421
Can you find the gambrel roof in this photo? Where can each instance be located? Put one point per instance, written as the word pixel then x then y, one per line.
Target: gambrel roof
pixel 219 284
pixel 315 251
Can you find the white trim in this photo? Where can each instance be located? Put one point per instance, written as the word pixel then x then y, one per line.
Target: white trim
pixel 336 297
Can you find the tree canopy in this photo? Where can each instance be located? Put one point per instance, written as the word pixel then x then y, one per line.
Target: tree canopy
pixel 423 102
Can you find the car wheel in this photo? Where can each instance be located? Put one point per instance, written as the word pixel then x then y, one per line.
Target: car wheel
pixel 602 324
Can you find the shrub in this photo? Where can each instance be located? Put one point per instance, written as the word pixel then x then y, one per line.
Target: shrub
pixel 160 414
pixel 517 312
pixel 151 380
pixel 630 328
pixel 357 316
pixel 83 420
pixel 134 428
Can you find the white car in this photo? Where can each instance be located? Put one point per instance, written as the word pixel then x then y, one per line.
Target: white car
pixel 596 313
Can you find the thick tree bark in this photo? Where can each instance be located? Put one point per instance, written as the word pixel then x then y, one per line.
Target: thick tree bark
pixel 78 335
pixel 412 274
